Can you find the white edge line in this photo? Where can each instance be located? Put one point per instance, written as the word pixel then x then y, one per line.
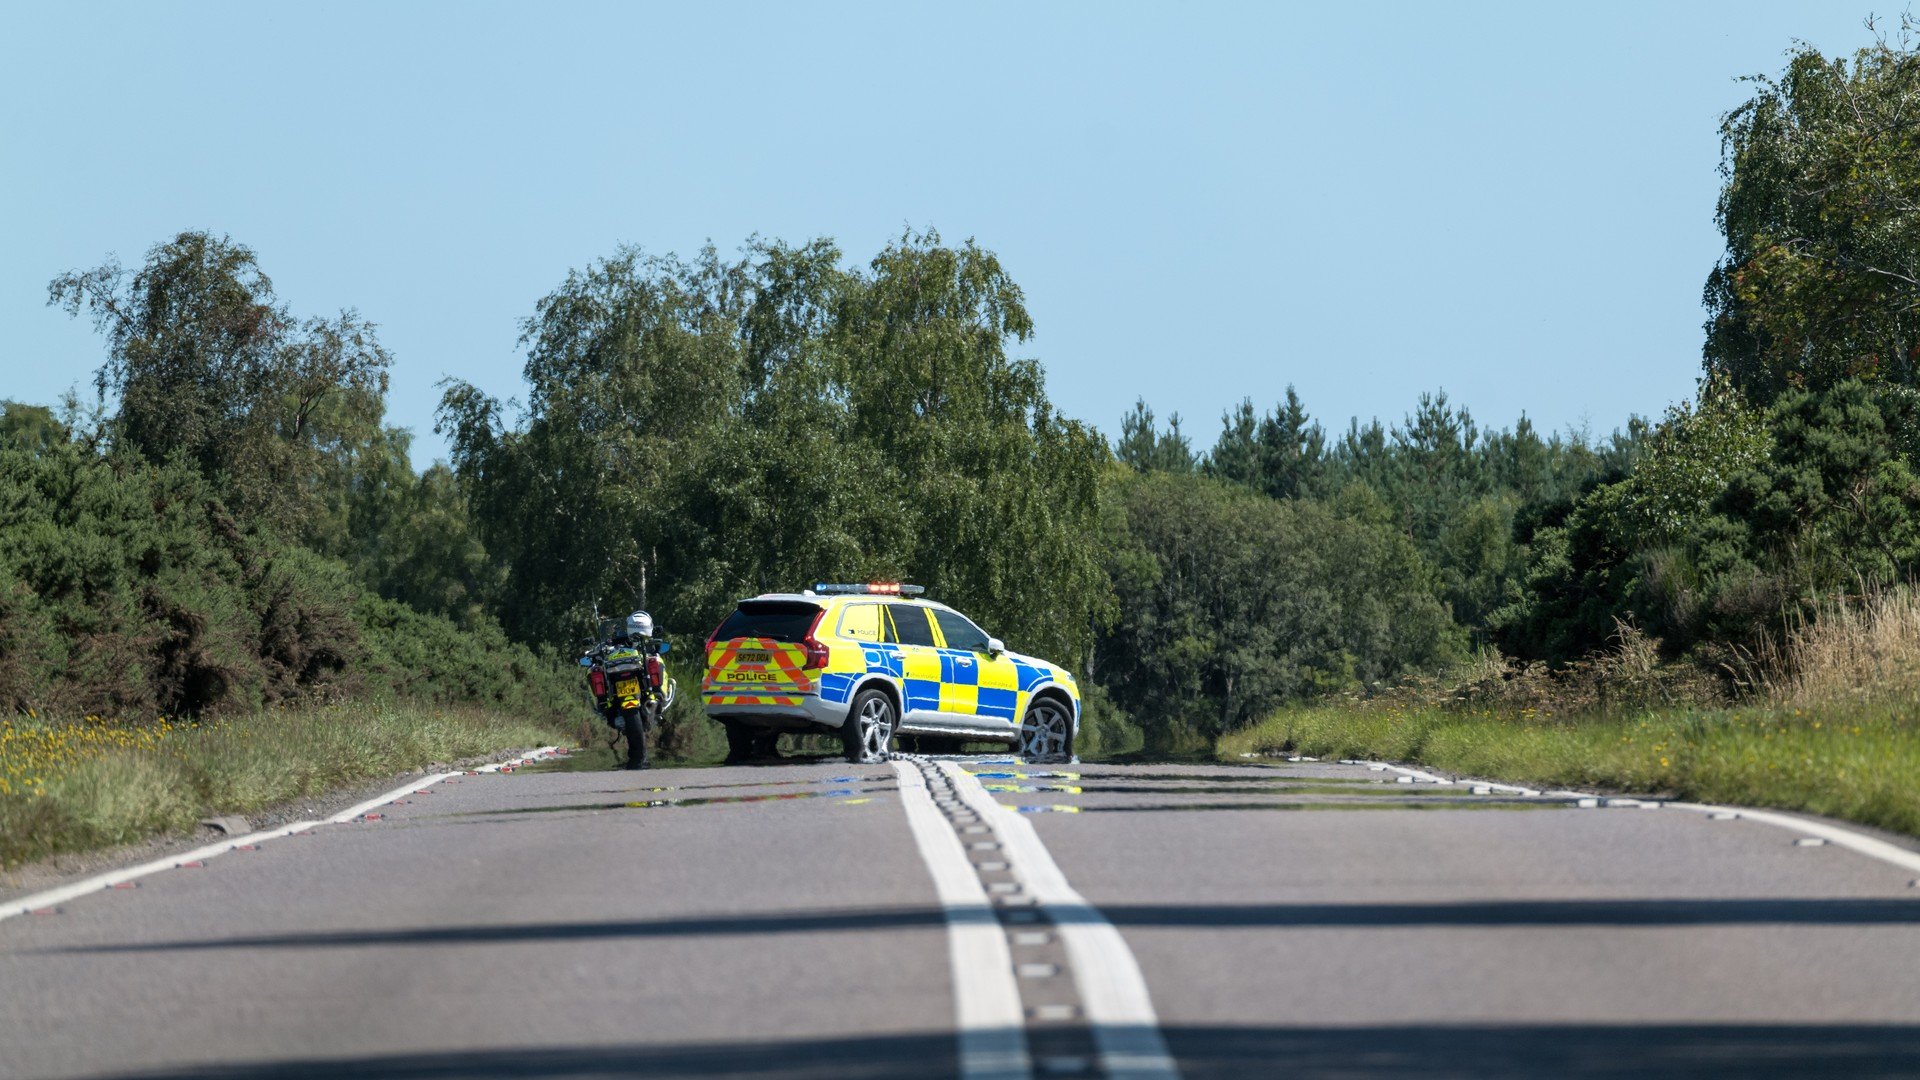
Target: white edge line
pixel 54 897
pixel 1872 847
pixel 987 1008
pixel 1866 845
pixel 1112 990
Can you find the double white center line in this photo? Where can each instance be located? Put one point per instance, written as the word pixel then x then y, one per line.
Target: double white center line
pixel 1113 1006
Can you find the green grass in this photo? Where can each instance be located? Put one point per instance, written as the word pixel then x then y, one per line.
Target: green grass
pixel 1854 761
pixel 122 793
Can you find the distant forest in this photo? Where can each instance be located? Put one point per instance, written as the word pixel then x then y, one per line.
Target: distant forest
pixel 235 525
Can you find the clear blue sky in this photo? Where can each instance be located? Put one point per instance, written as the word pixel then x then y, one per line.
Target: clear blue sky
pixel 1513 202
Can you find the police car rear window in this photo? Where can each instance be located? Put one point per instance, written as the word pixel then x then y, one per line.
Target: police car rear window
pixel 781 620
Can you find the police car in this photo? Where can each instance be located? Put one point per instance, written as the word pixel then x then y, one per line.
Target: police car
pixel 875 661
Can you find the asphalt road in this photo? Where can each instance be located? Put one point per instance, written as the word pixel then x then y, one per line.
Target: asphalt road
pixel 820 920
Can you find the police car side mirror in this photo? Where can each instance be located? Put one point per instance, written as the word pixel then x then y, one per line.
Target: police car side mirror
pixel 995 646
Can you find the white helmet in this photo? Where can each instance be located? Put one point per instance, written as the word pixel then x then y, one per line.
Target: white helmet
pixel 639 625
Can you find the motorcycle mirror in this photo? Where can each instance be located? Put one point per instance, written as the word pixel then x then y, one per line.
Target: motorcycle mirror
pixel 666 647
pixel 586 661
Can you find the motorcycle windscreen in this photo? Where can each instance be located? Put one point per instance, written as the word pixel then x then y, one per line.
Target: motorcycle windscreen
pixel 758 650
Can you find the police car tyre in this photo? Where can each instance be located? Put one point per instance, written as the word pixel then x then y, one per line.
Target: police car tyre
pixel 739 741
pixel 1046 732
pixel 869 728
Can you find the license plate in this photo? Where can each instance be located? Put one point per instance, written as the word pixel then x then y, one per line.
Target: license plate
pixel 753 658
pixel 627 688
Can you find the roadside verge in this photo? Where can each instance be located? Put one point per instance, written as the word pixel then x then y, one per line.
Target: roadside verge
pixel 1851 762
pixel 48 901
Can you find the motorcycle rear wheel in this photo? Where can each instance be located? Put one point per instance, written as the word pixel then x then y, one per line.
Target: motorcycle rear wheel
pixel 634 721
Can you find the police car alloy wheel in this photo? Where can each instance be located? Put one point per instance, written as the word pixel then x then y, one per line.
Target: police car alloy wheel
pixel 869 729
pixel 1046 732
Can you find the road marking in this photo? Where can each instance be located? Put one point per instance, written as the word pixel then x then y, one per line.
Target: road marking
pixel 42 901
pixel 1861 843
pixel 1871 847
pixel 993 1041
pixel 1113 993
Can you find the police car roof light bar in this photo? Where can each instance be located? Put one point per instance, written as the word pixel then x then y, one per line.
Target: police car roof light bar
pixel 876 588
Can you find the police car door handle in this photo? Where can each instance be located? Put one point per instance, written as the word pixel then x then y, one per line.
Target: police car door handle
pixel 963 659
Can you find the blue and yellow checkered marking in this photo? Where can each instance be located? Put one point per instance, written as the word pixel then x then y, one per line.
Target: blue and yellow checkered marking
pixel 837 687
pixel 943 680
pixel 958 668
pixel 1001 704
pixel 1030 676
pixel 883 660
pixel 922 694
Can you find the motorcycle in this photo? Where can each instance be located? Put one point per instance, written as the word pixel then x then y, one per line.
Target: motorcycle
pixel 628 680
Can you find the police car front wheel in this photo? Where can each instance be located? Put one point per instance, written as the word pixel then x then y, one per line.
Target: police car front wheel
pixel 1046 732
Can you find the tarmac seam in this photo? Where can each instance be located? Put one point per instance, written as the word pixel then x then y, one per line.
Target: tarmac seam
pixel 46 901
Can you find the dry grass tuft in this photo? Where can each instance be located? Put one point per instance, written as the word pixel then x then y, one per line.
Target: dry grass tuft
pixel 1851 649
pixel 1826 720
pixel 89 784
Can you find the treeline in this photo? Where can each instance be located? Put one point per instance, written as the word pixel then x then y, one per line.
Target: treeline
pixel 244 528
pixel 1283 563
pixel 1790 485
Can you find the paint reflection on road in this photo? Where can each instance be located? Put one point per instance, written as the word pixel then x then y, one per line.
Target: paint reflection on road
pixel 846 796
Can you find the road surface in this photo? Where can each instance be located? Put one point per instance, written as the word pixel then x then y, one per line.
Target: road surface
pixel 940 918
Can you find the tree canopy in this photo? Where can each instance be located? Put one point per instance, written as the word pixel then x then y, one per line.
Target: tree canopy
pixel 701 430
pixel 1820 281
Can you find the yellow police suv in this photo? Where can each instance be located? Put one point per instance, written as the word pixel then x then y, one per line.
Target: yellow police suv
pixel 874 661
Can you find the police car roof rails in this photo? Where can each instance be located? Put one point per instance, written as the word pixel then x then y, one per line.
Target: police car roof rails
pixel 875 588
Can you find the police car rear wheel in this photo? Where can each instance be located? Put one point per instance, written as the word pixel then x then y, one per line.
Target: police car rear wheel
pixel 869 728
pixel 1046 732
pixel 739 741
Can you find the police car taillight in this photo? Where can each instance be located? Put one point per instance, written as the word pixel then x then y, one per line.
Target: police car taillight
pixel 816 649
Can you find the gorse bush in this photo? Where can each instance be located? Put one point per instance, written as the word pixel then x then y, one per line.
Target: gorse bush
pixel 128 590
